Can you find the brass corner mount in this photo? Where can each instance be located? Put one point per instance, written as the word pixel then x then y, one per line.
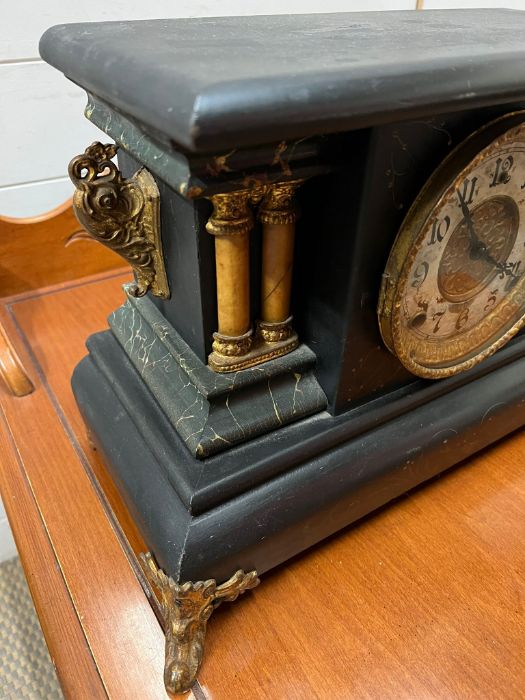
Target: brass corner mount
pixel 122 214
pixel 186 609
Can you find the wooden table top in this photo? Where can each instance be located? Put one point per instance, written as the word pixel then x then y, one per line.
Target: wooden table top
pixel 423 599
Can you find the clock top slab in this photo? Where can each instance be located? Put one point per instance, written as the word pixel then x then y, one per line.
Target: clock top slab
pixel 216 83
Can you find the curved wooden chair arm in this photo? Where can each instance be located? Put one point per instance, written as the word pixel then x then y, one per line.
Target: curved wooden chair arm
pixel 37 252
pixel 12 369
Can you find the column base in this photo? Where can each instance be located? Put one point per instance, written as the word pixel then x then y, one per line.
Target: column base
pixel 271 340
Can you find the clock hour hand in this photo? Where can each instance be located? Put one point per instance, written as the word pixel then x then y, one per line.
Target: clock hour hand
pixel 477 248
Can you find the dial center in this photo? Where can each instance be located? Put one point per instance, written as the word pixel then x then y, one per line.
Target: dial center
pixel 474 254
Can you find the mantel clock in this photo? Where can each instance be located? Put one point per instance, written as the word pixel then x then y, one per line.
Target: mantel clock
pixel 327 234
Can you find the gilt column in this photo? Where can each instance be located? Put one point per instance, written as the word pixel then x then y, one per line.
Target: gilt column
pixel 278 215
pixel 231 223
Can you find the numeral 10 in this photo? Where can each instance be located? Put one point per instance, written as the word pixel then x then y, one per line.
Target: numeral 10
pixel 439 230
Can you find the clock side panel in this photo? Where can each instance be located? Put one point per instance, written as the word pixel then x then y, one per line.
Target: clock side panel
pixel 189 260
pixel 350 220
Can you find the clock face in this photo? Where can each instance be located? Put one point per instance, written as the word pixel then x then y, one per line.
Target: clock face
pixel 453 290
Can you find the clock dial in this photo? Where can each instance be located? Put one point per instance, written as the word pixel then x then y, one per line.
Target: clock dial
pixel 453 291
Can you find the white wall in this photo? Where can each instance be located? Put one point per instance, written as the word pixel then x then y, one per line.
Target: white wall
pixel 41 113
pixel 7 544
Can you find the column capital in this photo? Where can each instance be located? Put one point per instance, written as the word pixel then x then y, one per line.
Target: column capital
pixel 277 206
pixel 231 215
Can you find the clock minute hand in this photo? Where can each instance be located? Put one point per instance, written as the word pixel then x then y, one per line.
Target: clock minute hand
pixel 477 247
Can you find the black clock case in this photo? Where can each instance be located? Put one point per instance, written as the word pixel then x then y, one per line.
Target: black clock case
pixel 365 106
pixel 257 504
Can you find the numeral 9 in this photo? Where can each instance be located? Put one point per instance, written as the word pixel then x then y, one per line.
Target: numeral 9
pixel 420 274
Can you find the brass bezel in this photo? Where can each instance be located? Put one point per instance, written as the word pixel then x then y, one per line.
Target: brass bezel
pixel 404 249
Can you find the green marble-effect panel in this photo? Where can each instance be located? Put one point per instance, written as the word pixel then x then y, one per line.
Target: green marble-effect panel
pixel 198 175
pixel 210 411
pixel 171 166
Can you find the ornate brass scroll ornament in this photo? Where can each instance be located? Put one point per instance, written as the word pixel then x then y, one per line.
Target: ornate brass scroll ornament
pixel 122 214
pixel 186 610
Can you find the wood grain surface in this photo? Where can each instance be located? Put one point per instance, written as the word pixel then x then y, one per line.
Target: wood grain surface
pixel 48 249
pixel 12 370
pixel 121 632
pixel 424 599
pixel 73 661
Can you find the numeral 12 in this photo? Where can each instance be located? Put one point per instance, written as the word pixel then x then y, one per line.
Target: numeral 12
pixel 502 172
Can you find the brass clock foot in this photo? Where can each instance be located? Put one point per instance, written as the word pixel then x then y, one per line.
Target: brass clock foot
pixel 186 609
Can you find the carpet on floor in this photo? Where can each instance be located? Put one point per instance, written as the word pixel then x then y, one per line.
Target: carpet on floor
pixel 26 669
